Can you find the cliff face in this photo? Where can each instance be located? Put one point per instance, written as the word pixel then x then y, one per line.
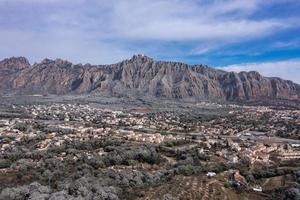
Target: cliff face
pixel 9 70
pixel 140 75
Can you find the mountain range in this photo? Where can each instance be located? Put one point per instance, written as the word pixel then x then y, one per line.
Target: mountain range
pixel 141 76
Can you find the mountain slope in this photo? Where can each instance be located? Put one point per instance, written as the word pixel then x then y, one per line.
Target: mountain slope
pixel 9 70
pixel 141 75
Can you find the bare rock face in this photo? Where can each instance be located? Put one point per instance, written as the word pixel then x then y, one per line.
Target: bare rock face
pixel 14 63
pixel 9 70
pixel 141 76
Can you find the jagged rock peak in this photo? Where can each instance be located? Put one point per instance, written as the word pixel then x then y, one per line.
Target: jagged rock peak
pixel 15 63
pixel 58 62
pixel 141 75
pixel 62 62
pixel 47 61
pixel 141 57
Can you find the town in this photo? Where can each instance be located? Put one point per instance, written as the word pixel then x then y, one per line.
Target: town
pixel 83 150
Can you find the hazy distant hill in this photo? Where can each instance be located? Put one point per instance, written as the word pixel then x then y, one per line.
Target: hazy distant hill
pixel 140 75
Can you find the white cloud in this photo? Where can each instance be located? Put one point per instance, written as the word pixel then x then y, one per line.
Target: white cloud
pixel 190 20
pixel 66 45
pixel 36 1
pixel 286 69
pixel 81 26
pixel 290 44
pixel 167 20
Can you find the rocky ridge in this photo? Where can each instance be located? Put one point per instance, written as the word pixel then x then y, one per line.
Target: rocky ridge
pixel 141 76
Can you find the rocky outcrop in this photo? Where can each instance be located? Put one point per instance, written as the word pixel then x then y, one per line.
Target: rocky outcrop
pixel 140 76
pixel 9 70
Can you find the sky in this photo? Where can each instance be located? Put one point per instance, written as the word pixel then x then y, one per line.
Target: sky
pixel 234 35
